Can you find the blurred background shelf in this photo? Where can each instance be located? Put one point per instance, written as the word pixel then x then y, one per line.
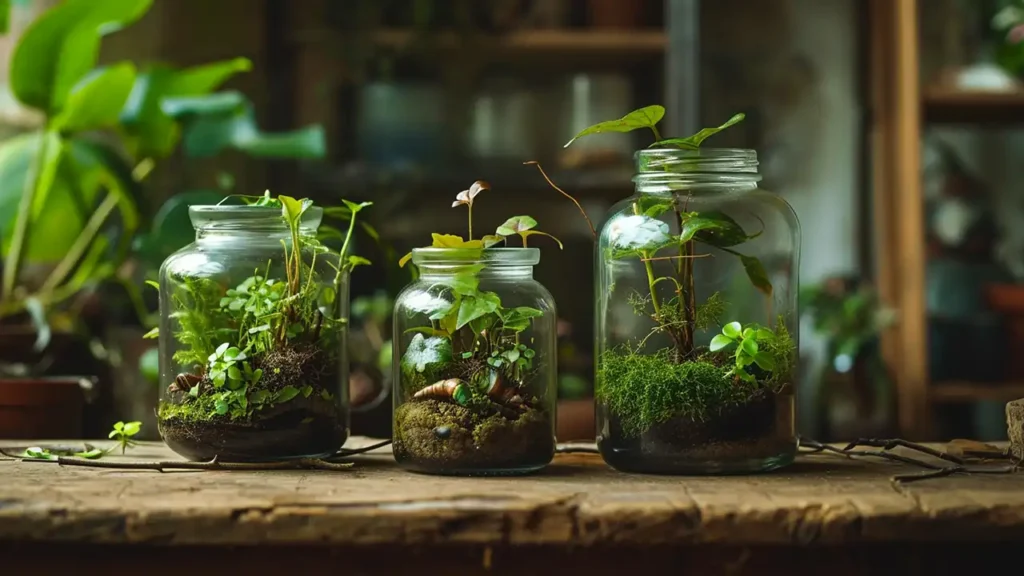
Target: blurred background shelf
pixel 955 392
pixel 973 107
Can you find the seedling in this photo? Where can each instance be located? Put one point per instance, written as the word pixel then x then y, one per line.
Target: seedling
pixel 123 433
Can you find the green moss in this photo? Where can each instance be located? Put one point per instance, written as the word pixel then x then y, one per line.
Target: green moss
pixel 783 351
pixel 644 390
pixel 201 409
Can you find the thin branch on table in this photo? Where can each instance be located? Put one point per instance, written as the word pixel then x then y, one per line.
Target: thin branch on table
pixel 932 470
pixel 346 452
pixel 214 464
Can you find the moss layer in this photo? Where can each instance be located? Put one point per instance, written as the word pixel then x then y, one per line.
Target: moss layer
pixel 442 436
pixel 643 390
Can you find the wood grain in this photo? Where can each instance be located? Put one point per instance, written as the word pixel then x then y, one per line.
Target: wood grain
pixel 578 501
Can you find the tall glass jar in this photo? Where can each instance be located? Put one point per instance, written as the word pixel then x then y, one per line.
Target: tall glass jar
pixel 252 339
pixel 475 363
pixel 696 319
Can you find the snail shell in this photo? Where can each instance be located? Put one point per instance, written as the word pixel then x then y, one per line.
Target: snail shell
pixel 441 389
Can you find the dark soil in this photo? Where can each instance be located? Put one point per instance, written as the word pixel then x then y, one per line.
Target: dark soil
pixel 292 434
pixel 302 427
pixel 440 437
pixel 753 437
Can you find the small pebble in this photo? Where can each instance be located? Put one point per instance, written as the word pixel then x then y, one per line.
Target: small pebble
pixel 442 432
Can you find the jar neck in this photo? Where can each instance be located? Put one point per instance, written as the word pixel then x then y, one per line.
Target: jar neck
pixel 249 226
pixel 711 171
pixel 479 269
pixel 213 237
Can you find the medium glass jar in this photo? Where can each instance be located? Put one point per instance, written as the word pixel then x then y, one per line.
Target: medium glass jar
pixel 252 339
pixel 475 363
pixel 696 319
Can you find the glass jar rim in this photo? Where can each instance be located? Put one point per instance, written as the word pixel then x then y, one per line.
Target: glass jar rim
pixel 234 217
pixel 489 257
pixel 698 161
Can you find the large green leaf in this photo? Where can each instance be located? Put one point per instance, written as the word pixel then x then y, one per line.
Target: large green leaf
pixel 694 142
pixel 5 16
pixel 646 117
pixel 757 274
pixel 184 107
pixel 62 46
pixel 725 233
pixel 96 101
pixel 473 307
pixel 208 134
pixel 638 233
pixel 424 352
pixel 153 133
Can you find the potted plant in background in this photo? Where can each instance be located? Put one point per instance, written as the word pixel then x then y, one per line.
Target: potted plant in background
pixel 70 195
pixel 854 389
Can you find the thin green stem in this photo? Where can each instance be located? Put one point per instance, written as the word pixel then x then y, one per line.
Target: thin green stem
pixel 657 135
pixel 22 223
pixel 470 220
pixel 651 285
pixel 81 243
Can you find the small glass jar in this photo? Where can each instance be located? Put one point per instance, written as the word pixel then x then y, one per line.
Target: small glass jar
pixel 696 312
pixel 475 364
pixel 252 339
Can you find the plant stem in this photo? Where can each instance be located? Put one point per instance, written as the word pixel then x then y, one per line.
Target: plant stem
pixel 650 284
pixel 471 220
pixel 81 243
pixel 593 230
pixel 657 135
pixel 22 223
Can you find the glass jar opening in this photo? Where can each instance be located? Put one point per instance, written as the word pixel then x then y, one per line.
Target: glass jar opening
pixel 439 260
pixel 664 170
pixel 213 218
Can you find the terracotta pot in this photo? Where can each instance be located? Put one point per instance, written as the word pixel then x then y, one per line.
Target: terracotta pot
pixel 42 408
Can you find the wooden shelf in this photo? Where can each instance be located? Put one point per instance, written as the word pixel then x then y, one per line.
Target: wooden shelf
pixel 973 107
pixel 638 42
pixel 957 392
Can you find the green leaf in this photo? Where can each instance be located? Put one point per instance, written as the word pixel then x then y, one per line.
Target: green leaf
pixel 5 16
pixel 424 302
pixel 473 307
pixel 464 283
pixel 285 394
pixel 96 101
pixel 354 261
pixel 38 453
pixel 222 349
pixel 153 284
pixel 733 330
pixel 749 333
pixel 757 274
pixel 638 233
pixel 149 365
pixel 37 313
pixel 93 454
pixel 453 241
pixel 234 373
pixel 533 232
pixel 62 46
pixel 423 352
pixel 172 227
pixel 260 328
pixel 132 428
pixel 692 224
pixel 694 142
pixel 491 239
pixel 306 391
pixel 765 361
pixel 291 209
pixel 516 225
pixel 404 260
pixel 719 342
pixel 519 318
pixel 749 346
pixel 182 107
pixel 259 396
pixel 765 335
pixel 154 133
pixel 462 394
pixel 119 426
pixel 232 353
pixel 726 233
pixel 207 135
pixel 221 407
pixel 646 117
pixel 427 330
pixel 355 208
pixel 511 355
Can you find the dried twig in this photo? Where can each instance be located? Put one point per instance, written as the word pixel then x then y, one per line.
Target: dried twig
pixel 564 193
pixel 932 470
pixel 677 257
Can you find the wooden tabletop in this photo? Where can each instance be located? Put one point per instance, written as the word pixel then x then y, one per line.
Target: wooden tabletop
pixel 578 500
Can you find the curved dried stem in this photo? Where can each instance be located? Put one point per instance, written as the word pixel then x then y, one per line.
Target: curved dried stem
pixel 564 193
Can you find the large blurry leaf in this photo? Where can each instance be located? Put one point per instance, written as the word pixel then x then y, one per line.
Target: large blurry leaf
pixel 473 307
pixel 183 107
pixel 62 46
pixel 208 134
pixel 725 233
pixel 5 16
pixel 38 315
pixel 646 117
pixel 96 101
pixel 423 352
pixel 154 133
pixel 172 227
pixel 694 142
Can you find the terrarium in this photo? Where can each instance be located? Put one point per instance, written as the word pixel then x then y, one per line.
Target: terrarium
pixel 475 355
pixel 253 325
pixel 696 311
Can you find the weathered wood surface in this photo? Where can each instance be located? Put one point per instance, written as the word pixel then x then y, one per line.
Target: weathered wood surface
pixel 578 500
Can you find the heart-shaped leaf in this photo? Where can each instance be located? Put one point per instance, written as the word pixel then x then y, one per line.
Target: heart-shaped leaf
pixel 423 352
pixel 719 342
pixel 646 117
pixel 516 225
pixel 638 233
pixel 694 142
pixel 473 307
pixel 733 330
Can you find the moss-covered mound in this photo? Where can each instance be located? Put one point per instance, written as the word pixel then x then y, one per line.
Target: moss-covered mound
pixel 442 437
pixel 646 390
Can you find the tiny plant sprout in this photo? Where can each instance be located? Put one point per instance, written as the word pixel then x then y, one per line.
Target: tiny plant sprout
pixel 124 433
pixel 466 198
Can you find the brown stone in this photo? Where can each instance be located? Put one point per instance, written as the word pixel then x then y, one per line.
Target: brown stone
pixel 1015 427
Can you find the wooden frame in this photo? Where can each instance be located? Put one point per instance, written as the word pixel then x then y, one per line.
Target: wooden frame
pixel 898 205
